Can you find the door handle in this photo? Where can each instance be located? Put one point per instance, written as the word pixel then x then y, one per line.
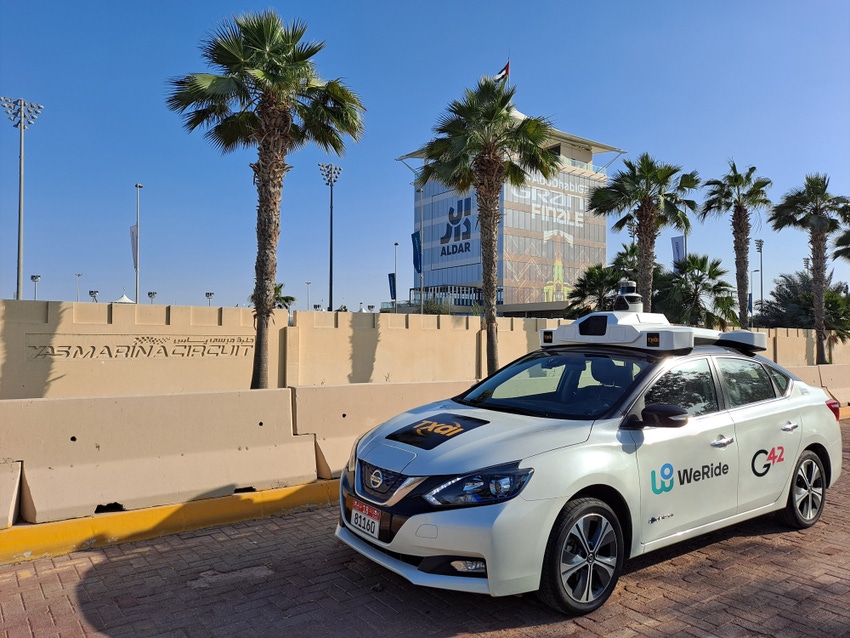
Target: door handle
pixel 790 427
pixel 724 442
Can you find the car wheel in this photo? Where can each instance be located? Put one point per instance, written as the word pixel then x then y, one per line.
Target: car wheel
pixel 584 557
pixel 808 493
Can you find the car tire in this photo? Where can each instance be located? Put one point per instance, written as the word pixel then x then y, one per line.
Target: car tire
pixel 807 495
pixel 584 557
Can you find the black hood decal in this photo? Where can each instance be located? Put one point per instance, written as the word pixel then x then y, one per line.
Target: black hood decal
pixel 430 432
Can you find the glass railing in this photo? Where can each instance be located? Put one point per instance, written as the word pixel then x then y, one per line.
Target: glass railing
pixel 567 161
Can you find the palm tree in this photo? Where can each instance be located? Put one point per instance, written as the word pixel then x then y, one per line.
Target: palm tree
pixel 281 301
pixel 650 196
pixel 700 294
pixel 626 261
pixel 594 290
pixel 482 142
pixel 265 92
pixel 792 304
pixel 813 209
pixel 740 193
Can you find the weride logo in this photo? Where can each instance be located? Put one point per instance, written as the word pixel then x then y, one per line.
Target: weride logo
pixel 686 476
pixel 431 432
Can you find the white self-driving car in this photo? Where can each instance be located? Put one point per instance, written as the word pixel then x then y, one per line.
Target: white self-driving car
pixel 621 435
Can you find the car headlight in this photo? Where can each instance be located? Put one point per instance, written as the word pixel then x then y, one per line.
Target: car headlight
pixel 490 485
pixel 352 458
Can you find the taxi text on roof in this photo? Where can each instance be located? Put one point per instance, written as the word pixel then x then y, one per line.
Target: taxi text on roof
pixel 647 331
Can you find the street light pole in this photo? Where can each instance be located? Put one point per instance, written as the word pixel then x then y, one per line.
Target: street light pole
pixel 395 278
pixel 22 114
pixel 330 173
pixel 760 249
pixel 139 188
pixel 308 294
pixel 78 275
pixel 35 279
pixel 421 191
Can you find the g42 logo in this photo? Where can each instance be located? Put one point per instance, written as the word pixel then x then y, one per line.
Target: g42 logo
pixel 667 480
pixel 776 455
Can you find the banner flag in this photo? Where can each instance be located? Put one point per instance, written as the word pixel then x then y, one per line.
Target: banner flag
pixel 678 250
pixel 391 277
pixel 134 244
pixel 417 252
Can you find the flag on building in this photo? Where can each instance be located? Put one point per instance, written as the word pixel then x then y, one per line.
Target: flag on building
pixel 503 74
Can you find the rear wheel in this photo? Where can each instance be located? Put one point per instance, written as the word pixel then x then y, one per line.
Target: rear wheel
pixel 584 557
pixel 807 495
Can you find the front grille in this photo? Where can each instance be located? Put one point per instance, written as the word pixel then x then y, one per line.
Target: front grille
pixel 390 482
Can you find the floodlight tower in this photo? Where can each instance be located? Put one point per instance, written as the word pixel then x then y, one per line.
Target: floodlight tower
pixel 22 114
pixel 330 173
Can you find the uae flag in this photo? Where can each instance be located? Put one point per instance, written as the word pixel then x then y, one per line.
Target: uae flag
pixel 503 74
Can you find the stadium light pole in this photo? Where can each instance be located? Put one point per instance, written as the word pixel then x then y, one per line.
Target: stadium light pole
pixel 152 295
pixel 210 296
pixel 752 305
pixel 759 249
pixel 330 173
pixel 22 114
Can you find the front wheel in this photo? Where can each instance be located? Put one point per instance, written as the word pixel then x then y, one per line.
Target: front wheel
pixel 584 557
pixel 807 496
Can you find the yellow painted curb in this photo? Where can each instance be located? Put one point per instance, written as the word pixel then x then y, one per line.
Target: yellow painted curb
pixel 30 541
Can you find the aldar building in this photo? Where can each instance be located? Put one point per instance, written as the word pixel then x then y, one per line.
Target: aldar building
pixel 547 238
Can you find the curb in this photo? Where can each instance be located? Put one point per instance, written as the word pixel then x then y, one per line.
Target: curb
pixel 31 541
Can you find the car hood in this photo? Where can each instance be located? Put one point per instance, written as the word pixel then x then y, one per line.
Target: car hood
pixel 447 437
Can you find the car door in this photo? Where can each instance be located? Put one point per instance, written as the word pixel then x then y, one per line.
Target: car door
pixel 688 474
pixel 767 426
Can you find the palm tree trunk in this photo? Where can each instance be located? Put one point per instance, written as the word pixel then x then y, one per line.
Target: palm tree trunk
pixel 818 242
pixel 487 197
pixel 741 244
pixel 269 171
pixel 646 234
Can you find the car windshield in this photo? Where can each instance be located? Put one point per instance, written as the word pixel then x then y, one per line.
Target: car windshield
pixel 567 384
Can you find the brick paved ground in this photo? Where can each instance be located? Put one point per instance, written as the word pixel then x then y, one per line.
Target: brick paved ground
pixel 288 576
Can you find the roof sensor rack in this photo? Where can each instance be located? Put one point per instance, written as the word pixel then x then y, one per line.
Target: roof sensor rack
pixel 647 331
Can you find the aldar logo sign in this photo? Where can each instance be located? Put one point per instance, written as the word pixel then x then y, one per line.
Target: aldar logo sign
pixel 458 230
pixel 456 238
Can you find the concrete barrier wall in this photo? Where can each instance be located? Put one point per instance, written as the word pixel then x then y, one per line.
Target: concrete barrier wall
pixel 338 415
pixel 58 349
pixel 81 456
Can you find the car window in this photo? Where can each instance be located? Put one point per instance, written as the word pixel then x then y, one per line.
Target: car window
pixel 569 384
pixel 745 381
pixel 688 385
pixel 781 380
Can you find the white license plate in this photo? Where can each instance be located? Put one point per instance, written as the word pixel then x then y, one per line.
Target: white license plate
pixel 365 518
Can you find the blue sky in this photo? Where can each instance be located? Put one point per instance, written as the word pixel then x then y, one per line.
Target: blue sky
pixel 693 83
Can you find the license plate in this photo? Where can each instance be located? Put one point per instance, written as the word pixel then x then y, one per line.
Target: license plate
pixel 365 518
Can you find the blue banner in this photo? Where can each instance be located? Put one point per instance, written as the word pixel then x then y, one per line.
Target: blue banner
pixel 417 252
pixel 391 277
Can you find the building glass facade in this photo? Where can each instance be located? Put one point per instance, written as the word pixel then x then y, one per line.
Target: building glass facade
pixel 547 237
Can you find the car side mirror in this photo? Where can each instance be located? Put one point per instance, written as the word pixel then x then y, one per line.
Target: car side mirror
pixel 664 415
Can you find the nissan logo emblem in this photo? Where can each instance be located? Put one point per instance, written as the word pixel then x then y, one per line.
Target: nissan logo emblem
pixel 375 479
